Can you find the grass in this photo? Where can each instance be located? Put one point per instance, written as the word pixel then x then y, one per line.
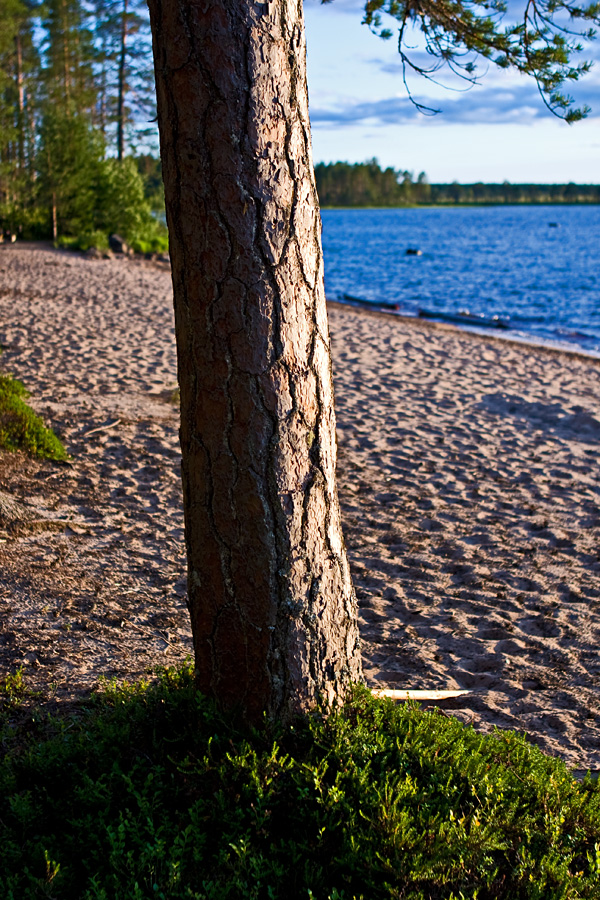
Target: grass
pixel 21 428
pixel 13 690
pixel 151 793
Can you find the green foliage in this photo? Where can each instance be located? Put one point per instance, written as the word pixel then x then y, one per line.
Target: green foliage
pixel 76 83
pixel 157 244
pixel 75 79
pixel 474 194
pixel 112 201
pixel 19 64
pixel 96 239
pixel 122 206
pixel 153 794
pixel 13 689
pixel 20 428
pixel 150 169
pixel 71 167
pixel 544 43
pixel 68 72
pixel 23 217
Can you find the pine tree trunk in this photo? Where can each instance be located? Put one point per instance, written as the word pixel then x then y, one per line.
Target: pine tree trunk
pixel 121 86
pixel 54 217
pixel 33 174
pixel 20 103
pixel 272 606
pixel 65 48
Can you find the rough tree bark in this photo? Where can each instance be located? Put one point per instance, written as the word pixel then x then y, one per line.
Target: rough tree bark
pixel 272 606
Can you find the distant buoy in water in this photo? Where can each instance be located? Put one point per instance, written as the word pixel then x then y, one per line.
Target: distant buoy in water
pixel 553 225
pixel 413 251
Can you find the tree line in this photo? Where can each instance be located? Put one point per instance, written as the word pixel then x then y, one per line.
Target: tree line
pixel 368 185
pixel 76 103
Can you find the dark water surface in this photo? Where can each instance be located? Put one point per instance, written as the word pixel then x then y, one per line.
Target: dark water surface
pixel 536 267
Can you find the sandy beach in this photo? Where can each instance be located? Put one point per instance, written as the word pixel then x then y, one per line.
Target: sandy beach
pixel 468 476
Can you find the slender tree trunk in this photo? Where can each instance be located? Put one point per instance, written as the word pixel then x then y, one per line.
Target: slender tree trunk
pixel 121 87
pixel 103 97
pixel 54 216
pixel 65 47
pixel 31 140
pixel 272 606
pixel 20 103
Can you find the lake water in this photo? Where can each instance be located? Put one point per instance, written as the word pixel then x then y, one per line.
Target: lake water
pixel 536 267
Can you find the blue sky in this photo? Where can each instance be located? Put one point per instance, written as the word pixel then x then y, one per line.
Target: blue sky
pixel 497 130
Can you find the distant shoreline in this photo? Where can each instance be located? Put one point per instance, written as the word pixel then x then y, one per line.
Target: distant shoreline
pixel 367 185
pixel 468 205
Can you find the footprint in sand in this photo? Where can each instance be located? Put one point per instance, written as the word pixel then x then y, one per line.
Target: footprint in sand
pixel 540 626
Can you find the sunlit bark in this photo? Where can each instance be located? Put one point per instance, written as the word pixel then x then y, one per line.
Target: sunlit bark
pixel 271 600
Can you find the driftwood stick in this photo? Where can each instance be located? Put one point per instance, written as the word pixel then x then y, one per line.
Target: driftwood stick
pixel 408 694
pixel 102 428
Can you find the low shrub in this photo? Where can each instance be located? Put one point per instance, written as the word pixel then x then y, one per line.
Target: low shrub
pixel 85 241
pixel 121 207
pixel 96 239
pixel 21 428
pixel 67 242
pixel 27 221
pixel 158 243
pixel 152 793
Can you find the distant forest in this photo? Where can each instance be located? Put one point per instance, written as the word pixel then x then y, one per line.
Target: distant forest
pixel 367 184
pixel 76 107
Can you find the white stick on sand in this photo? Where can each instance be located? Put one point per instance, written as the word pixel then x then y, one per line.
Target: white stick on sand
pixel 393 694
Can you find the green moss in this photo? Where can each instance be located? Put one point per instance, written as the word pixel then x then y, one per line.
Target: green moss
pixel 152 793
pixel 20 428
